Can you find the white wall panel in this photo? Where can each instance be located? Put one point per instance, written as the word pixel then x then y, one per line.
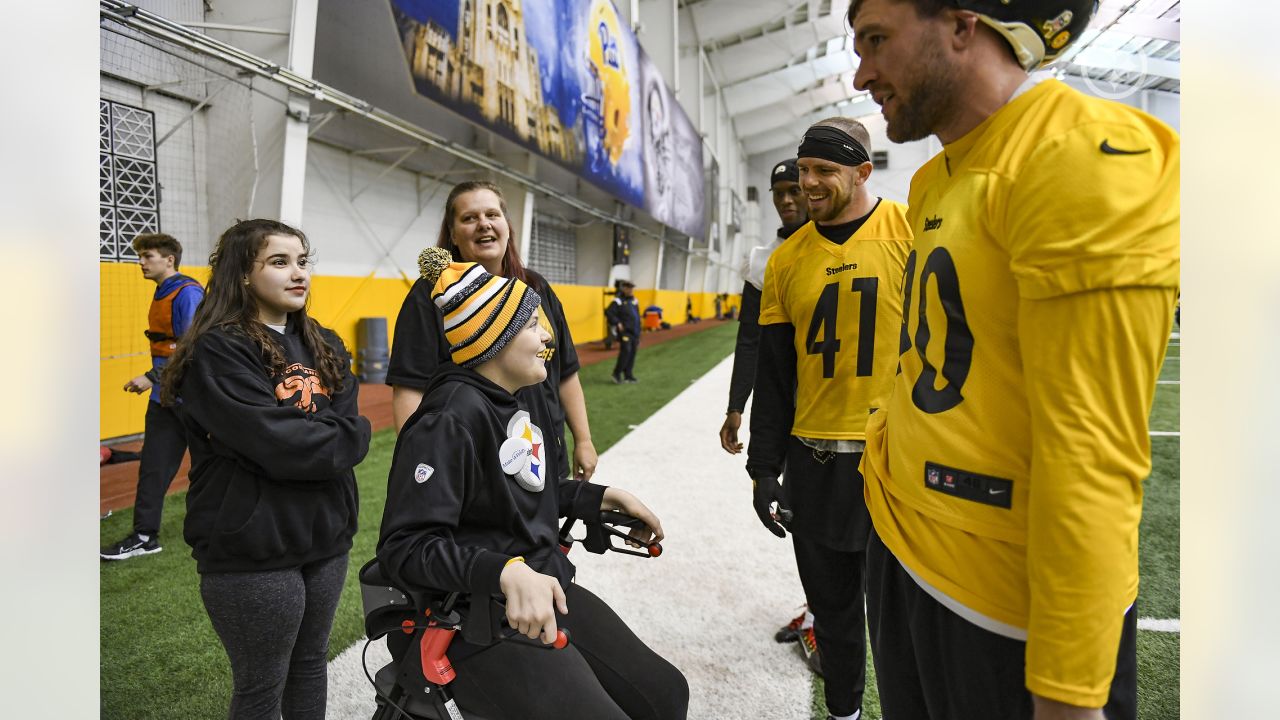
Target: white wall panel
pixel 382 230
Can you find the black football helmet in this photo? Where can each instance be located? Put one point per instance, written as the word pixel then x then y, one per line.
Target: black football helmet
pixel 1039 30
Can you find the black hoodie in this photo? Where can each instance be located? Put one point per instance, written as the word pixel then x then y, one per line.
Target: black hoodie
pixel 454 516
pixel 272 458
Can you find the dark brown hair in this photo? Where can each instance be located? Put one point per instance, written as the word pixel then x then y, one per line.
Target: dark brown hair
pixel 924 8
pixel 512 267
pixel 166 245
pixel 229 305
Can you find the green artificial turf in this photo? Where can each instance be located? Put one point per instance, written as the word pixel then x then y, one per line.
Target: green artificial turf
pixel 159 655
pixel 663 371
pixel 161 659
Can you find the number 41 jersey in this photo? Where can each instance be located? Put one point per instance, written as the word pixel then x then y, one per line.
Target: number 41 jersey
pixel 845 303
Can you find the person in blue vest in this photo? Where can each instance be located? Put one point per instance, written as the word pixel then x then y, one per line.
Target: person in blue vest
pixel 623 315
pixel 173 307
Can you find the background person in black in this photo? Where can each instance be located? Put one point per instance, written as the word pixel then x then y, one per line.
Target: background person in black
pixel 788 200
pixel 623 315
pixel 472 503
pixel 475 229
pixel 826 361
pixel 269 403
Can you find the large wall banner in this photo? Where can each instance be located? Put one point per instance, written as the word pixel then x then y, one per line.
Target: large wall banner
pixel 567 79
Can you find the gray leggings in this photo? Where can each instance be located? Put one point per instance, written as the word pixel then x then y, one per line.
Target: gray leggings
pixel 275 627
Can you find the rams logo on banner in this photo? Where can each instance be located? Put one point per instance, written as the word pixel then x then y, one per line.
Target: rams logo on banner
pixel 523 455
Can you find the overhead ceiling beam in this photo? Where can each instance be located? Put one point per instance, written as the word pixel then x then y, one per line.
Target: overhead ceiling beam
pixel 1096 58
pixel 1149 27
pixel 787 136
pixel 753 57
pixel 785 113
pixel 764 90
pixel 1148 24
pixel 724 19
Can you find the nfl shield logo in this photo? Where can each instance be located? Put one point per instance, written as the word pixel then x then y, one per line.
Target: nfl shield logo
pixel 423 472
pixel 932 476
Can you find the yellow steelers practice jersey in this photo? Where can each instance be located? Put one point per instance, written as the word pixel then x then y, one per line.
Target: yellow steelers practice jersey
pixel 1050 228
pixel 845 303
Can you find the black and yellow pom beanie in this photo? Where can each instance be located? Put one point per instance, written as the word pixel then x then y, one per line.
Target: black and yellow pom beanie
pixel 482 312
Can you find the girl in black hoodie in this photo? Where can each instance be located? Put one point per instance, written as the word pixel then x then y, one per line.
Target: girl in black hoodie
pixel 269 404
pixel 472 505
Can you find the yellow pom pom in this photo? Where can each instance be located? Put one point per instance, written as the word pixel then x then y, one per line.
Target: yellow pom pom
pixel 432 262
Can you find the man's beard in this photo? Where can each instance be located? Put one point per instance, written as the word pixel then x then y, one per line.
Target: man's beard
pixel 930 100
pixel 836 204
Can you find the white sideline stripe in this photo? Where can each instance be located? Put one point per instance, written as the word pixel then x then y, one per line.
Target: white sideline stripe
pixel 1166 433
pixel 1168 382
pixel 350 694
pixel 1172 625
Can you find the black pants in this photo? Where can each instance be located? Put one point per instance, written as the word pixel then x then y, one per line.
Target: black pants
pixel 275 628
pixel 628 342
pixel 834 586
pixel 829 530
pixel 606 673
pixel 162 449
pixel 932 664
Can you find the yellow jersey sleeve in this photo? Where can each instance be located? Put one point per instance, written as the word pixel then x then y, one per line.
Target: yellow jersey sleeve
pixel 1095 207
pixel 1090 453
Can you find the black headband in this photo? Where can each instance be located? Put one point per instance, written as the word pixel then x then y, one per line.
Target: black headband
pixel 829 143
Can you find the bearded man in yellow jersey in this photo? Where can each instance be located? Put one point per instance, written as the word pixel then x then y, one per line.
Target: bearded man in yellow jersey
pixel 829 319
pixel 1004 478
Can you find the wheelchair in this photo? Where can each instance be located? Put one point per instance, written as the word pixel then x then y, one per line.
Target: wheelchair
pixel 420 625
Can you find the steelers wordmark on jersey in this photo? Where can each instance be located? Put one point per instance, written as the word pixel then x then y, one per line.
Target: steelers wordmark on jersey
pixel 844 301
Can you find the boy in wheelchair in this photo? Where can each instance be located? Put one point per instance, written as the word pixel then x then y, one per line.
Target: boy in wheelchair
pixel 472 508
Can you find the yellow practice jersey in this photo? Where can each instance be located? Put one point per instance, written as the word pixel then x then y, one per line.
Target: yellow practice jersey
pixel 845 303
pixel 1006 470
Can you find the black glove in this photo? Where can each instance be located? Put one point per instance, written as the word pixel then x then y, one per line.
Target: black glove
pixel 765 492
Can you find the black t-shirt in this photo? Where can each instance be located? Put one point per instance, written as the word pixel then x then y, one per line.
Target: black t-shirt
pixel 420 347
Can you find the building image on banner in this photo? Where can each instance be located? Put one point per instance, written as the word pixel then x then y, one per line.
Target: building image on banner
pixel 568 80
pixel 483 67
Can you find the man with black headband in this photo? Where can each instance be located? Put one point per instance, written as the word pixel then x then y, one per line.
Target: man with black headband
pixel 830 313
pixel 793 211
pixel 1004 478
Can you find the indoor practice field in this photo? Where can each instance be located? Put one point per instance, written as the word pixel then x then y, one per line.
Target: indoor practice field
pixel 710 603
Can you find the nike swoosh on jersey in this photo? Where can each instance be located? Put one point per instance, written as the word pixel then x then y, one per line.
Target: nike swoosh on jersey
pixel 1108 149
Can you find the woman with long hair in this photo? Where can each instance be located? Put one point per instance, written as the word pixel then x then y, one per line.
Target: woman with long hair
pixel 475 228
pixel 269 403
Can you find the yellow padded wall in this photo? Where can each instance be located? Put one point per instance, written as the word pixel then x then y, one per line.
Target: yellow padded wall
pixel 337 302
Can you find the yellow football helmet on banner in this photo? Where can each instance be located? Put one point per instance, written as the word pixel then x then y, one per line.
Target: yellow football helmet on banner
pixel 612 89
